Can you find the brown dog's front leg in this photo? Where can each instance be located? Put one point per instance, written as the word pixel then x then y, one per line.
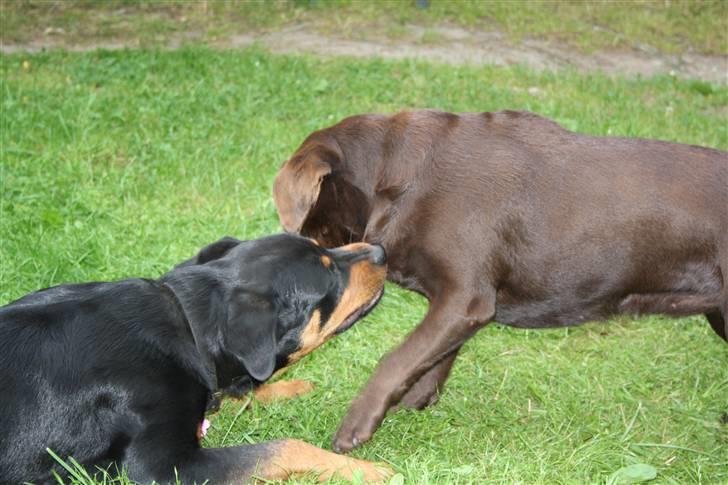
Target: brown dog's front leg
pixel 426 390
pixel 448 323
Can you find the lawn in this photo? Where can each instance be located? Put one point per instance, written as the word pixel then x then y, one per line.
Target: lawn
pixel 120 164
pixel 676 26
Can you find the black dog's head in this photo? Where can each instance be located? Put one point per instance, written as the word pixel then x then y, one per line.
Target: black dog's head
pixel 258 306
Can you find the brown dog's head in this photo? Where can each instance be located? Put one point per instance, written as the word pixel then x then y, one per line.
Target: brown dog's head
pixel 258 306
pixel 316 195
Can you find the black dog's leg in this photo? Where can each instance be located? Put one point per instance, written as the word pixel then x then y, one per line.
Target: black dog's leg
pixel 225 465
pixel 275 460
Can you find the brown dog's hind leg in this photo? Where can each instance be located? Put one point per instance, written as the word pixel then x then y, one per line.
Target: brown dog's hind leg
pixel 719 318
pixel 282 390
pixel 449 322
pixel 426 391
pixel 718 323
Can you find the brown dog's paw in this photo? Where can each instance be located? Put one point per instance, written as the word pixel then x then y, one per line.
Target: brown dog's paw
pixel 282 390
pixel 347 440
pixel 358 426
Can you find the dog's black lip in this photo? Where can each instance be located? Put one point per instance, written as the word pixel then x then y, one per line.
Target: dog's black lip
pixel 360 312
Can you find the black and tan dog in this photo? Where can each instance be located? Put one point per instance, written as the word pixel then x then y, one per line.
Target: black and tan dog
pixel 120 374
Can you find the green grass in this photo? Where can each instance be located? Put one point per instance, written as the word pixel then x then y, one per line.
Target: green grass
pixel 668 26
pixel 121 164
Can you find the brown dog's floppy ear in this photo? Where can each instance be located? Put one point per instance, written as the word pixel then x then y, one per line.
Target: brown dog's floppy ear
pixel 213 251
pixel 297 187
pixel 249 333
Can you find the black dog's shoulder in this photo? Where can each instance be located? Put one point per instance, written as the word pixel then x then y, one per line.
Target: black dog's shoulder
pixel 66 294
pixel 67 320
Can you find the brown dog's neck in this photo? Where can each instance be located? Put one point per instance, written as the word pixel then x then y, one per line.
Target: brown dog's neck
pixel 340 215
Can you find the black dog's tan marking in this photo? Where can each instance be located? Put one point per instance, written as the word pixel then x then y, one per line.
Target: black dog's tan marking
pixel 364 289
pixel 326 261
pixel 293 457
pixel 282 390
pixel 120 374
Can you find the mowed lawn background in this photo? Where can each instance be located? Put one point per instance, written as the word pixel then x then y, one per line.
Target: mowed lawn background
pixel 121 164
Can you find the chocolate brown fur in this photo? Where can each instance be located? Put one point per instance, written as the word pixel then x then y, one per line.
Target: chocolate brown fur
pixel 507 216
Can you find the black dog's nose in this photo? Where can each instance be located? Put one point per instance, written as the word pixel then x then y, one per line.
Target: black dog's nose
pixel 378 255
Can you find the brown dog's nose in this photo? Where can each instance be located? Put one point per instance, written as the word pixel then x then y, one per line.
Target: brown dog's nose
pixel 379 257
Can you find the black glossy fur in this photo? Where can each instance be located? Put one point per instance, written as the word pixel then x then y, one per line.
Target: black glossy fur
pixel 119 374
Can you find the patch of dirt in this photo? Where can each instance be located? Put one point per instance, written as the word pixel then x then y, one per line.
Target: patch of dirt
pixel 451 45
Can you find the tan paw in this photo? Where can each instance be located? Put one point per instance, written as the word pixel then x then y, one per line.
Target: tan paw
pixel 291 458
pixel 371 472
pixel 282 390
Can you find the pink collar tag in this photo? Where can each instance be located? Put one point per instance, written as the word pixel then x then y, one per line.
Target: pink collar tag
pixel 202 428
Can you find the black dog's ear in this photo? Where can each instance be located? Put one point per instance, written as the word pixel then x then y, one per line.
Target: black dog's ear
pixel 250 333
pixel 216 250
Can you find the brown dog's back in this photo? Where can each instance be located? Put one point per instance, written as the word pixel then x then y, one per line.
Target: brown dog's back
pixel 568 227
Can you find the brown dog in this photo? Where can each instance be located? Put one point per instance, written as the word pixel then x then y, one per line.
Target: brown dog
pixel 507 216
